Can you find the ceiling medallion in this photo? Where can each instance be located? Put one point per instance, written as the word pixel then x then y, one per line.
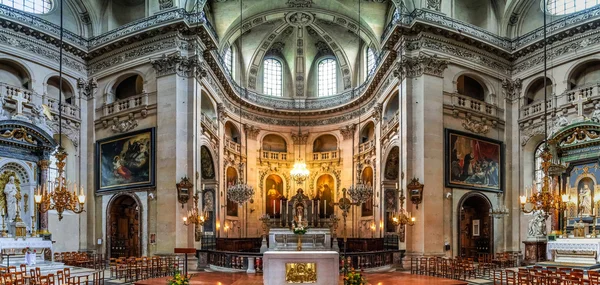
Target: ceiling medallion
pixel 299 19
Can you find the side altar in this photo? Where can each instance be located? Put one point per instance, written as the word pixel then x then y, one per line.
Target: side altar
pixel 14 251
pixel 574 250
pixel 300 253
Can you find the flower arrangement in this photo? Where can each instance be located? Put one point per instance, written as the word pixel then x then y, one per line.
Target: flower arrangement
pixel 298 228
pixel 179 279
pixel 354 278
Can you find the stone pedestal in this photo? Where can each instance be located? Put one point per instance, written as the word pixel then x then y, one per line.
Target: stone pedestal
pixel 202 260
pixel 326 265
pixel 251 269
pixel 535 251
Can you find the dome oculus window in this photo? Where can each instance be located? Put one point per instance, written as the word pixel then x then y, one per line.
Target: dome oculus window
pixel 327 77
pixel 30 6
pixel 564 7
pixel 272 77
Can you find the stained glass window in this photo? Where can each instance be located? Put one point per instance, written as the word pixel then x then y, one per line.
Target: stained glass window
pixel 563 7
pixel 272 77
pixel 327 74
pixel 228 58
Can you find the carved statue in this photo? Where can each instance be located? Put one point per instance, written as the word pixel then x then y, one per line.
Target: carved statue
pixel 537 225
pixel 560 123
pixel 4 114
pixel 10 192
pixel 585 196
pixel 595 117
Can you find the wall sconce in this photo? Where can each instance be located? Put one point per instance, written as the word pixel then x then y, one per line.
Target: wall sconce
pixel 183 190
pixel 415 191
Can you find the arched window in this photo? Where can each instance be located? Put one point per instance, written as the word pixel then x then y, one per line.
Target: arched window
pixel 563 7
pixel 370 60
pixel 538 172
pixel 327 77
pixel 30 6
pixel 272 77
pixel 228 58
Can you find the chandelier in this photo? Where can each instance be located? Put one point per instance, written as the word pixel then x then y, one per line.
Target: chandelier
pixel 543 200
pixel 299 173
pixel 240 193
pixel 194 216
pixel 499 212
pixel 360 192
pixel 59 198
pixel 403 217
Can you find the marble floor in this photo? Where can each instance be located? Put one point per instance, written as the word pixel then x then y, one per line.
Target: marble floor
pixel 387 278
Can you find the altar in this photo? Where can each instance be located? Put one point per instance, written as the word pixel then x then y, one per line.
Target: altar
pixel 574 250
pixel 16 249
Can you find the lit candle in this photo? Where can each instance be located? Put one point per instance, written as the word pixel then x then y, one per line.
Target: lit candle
pixel 273 208
pixel 280 205
pixel 313 207
pixel 396 185
pixel 203 187
pixel 325 209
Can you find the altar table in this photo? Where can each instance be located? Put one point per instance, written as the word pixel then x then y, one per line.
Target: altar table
pixel 574 245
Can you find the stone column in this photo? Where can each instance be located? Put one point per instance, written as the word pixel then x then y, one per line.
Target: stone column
pixel 425 150
pixel 43 218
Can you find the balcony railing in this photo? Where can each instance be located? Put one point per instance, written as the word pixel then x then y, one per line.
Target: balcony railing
pixel 472 104
pixel 326 155
pixel 7 90
pixel 536 108
pixel 233 146
pixel 68 110
pixel 128 104
pixel 210 124
pixel 366 146
pixel 583 92
pixel 274 155
pixel 390 123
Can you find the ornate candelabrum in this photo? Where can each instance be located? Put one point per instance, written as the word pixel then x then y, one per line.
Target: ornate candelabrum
pixel 501 211
pixel 564 206
pixel 543 200
pixel 403 217
pixel 59 198
pixel 194 216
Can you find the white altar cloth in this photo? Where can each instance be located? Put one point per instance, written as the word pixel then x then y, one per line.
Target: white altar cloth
pixel 327 265
pixel 574 244
pixel 7 244
pixel 30 258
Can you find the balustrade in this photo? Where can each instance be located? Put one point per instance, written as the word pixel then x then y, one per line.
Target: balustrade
pixel 211 124
pixel 7 90
pixel 366 146
pixel 325 155
pixel 233 146
pixel 364 260
pixel 536 108
pixel 127 104
pixel 67 109
pixel 469 103
pixel 390 122
pixel 274 155
pixel 235 260
pixel 583 92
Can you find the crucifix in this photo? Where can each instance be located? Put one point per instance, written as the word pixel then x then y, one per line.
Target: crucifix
pixel 20 99
pixel 345 204
pixel 579 102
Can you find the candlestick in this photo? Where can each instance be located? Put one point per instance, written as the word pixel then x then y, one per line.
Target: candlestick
pixel 280 205
pixel 273 208
pixel 325 209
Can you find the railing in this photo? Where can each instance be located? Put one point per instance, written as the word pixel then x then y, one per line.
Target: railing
pixel 67 109
pixel 583 92
pixel 235 260
pixel 7 90
pixel 126 104
pixel 535 108
pixel 366 146
pixel 469 103
pixel 274 155
pixel 211 124
pixel 233 146
pixel 366 260
pixel 390 122
pixel 326 155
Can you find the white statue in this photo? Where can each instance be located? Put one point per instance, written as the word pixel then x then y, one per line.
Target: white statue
pixel 585 196
pixel 595 117
pixel 537 225
pixel 10 190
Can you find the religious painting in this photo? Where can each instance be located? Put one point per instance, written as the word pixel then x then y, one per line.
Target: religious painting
pixel 390 208
pixel 273 189
pixel 392 164
pixel 473 162
pixel 126 161
pixel 208 205
pixel 367 178
pixel 231 179
pixel 476 228
pixel 585 193
pixel 325 185
pixel 208 169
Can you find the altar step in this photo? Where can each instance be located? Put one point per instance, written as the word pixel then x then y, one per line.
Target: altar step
pixel 45 266
pixel 585 267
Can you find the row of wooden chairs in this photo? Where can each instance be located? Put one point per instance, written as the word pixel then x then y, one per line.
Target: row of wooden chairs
pixel 545 276
pixel 455 268
pixel 137 268
pixel 81 259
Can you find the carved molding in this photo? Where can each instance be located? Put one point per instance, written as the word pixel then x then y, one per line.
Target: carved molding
pixel 87 88
pixel 377 111
pixel 177 64
pixel 424 64
pixel 165 4
pixel 251 131
pixel 299 3
pixel 299 138
pixel 348 131
pixel 434 4
pixel 475 127
pixel 511 89
pixel 123 126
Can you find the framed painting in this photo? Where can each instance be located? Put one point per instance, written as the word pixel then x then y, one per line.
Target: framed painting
pixel 473 162
pixel 126 161
pixel 476 227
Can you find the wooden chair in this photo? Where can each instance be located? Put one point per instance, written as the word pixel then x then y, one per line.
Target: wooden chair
pixel 469 269
pixel 498 277
pixel 431 266
pixel 98 277
pixel 60 277
pixel 422 266
pixel 523 278
pixel 594 277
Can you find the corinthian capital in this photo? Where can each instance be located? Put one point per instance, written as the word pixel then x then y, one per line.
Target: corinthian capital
pixel 424 64
pixel 511 88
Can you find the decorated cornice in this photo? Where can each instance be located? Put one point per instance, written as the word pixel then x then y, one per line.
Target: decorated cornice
pixel 177 64
pixel 511 89
pixel 251 131
pixel 424 64
pixel 348 131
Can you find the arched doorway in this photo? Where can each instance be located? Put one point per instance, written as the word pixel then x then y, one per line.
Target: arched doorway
pixel 124 227
pixel 475 225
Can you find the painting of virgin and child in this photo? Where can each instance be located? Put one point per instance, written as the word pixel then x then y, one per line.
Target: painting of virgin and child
pixel 125 161
pixel 473 162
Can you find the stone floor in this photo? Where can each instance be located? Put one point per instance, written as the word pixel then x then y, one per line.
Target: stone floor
pixel 385 278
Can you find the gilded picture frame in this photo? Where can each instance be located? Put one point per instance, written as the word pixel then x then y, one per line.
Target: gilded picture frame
pixel 126 161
